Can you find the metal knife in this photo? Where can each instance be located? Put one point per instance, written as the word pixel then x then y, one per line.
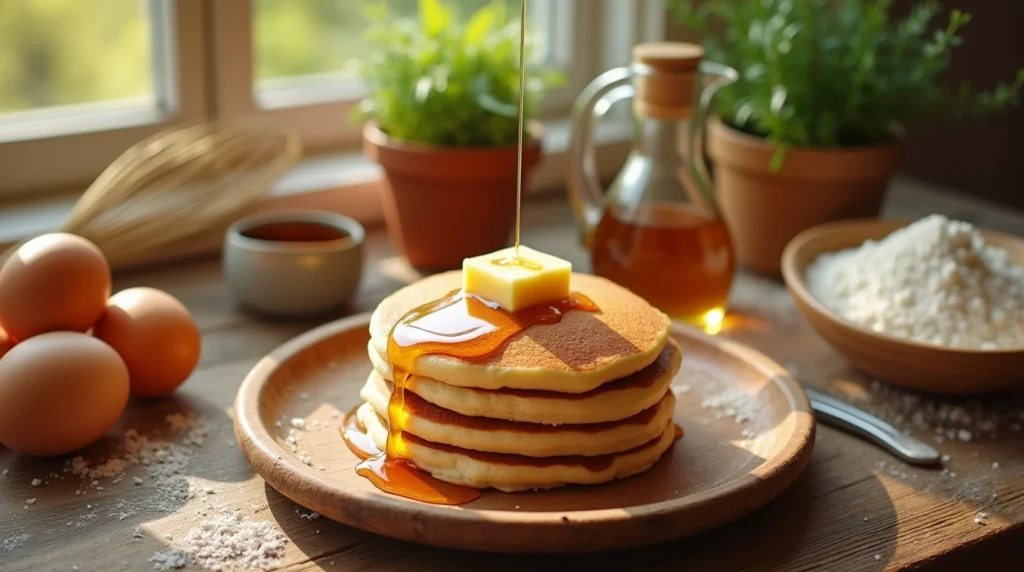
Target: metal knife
pixel 846 417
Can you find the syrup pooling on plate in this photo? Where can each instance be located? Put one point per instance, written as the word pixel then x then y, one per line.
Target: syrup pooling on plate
pixel 399 477
pixel 460 325
pixel 355 437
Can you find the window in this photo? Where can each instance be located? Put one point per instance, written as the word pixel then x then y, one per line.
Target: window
pixel 293 60
pixel 44 74
pixel 331 38
pixel 82 80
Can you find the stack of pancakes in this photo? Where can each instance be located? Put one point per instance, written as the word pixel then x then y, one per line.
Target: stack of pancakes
pixel 582 401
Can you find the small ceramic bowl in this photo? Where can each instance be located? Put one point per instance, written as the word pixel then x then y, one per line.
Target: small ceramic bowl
pixel 918 366
pixel 294 263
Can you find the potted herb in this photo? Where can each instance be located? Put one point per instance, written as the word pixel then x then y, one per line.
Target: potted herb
pixel 811 129
pixel 443 123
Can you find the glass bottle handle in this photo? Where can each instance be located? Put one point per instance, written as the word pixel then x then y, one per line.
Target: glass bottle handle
pixel 720 76
pixel 585 192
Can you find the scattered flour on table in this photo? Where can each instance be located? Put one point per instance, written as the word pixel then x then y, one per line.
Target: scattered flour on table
pixel 957 427
pixel 164 462
pixel 170 559
pixel 935 281
pixel 11 542
pixel 220 542
pixel 225 542
pixel 962 420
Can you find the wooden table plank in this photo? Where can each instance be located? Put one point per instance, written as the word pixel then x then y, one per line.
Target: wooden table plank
pixel 854 508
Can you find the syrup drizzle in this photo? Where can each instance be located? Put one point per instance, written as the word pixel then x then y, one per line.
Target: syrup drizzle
pixel 516 260
pixel 356 438
pixel 522 87
pixel 397 475
pixel 460 325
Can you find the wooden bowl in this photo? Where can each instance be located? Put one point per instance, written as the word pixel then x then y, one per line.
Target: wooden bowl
pixel 919 366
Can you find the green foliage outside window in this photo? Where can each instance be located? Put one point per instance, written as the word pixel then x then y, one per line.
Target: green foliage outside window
pixel 447 81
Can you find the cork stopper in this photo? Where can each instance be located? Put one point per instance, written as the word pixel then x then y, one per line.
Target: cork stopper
pixel 668 91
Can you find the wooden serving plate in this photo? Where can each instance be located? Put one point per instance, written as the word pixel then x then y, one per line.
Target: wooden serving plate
pixel 917 366
pixel 713 475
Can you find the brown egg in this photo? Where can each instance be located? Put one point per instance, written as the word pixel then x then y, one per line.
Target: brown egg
pixel 59 392
pixel 6 343
pixel 53 282
pixel 155 335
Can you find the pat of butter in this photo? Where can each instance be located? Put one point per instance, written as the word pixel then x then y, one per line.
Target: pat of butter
pixel 537 278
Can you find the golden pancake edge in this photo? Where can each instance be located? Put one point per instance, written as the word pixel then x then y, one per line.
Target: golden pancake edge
pixel 578 354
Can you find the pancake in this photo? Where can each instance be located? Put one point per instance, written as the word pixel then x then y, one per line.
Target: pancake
pixel 509 473
pixel 578 354
pixel 612 401
pixel 375 427
pixel 439 425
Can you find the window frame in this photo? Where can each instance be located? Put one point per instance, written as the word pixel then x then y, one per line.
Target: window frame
pixel 206 51
pixel 233 50
pixel 77 149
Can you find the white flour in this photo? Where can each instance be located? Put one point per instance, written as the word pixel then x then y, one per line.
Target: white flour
pixel 946 419
pixel 935 281
pixel 225 542
pixel 11 542
pixel 732 403
pixel 164 461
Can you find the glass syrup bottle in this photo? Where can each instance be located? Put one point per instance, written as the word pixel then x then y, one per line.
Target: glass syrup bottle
pixel 656 230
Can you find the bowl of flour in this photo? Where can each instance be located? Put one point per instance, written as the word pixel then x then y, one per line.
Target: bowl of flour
pixel 935 304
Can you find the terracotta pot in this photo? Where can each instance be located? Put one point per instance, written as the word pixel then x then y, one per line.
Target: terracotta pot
pixel 443 204
pixel 764 210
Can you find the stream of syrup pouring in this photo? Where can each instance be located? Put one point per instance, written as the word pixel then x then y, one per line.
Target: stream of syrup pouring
pixel 460 325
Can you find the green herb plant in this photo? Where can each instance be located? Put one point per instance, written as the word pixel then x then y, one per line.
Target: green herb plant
pixel 444 81
pixel 822 73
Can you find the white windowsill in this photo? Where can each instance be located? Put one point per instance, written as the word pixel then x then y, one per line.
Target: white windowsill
pixel 344 182
pixel 82 118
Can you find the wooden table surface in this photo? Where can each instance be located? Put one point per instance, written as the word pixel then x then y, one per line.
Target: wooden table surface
pixel 854 508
